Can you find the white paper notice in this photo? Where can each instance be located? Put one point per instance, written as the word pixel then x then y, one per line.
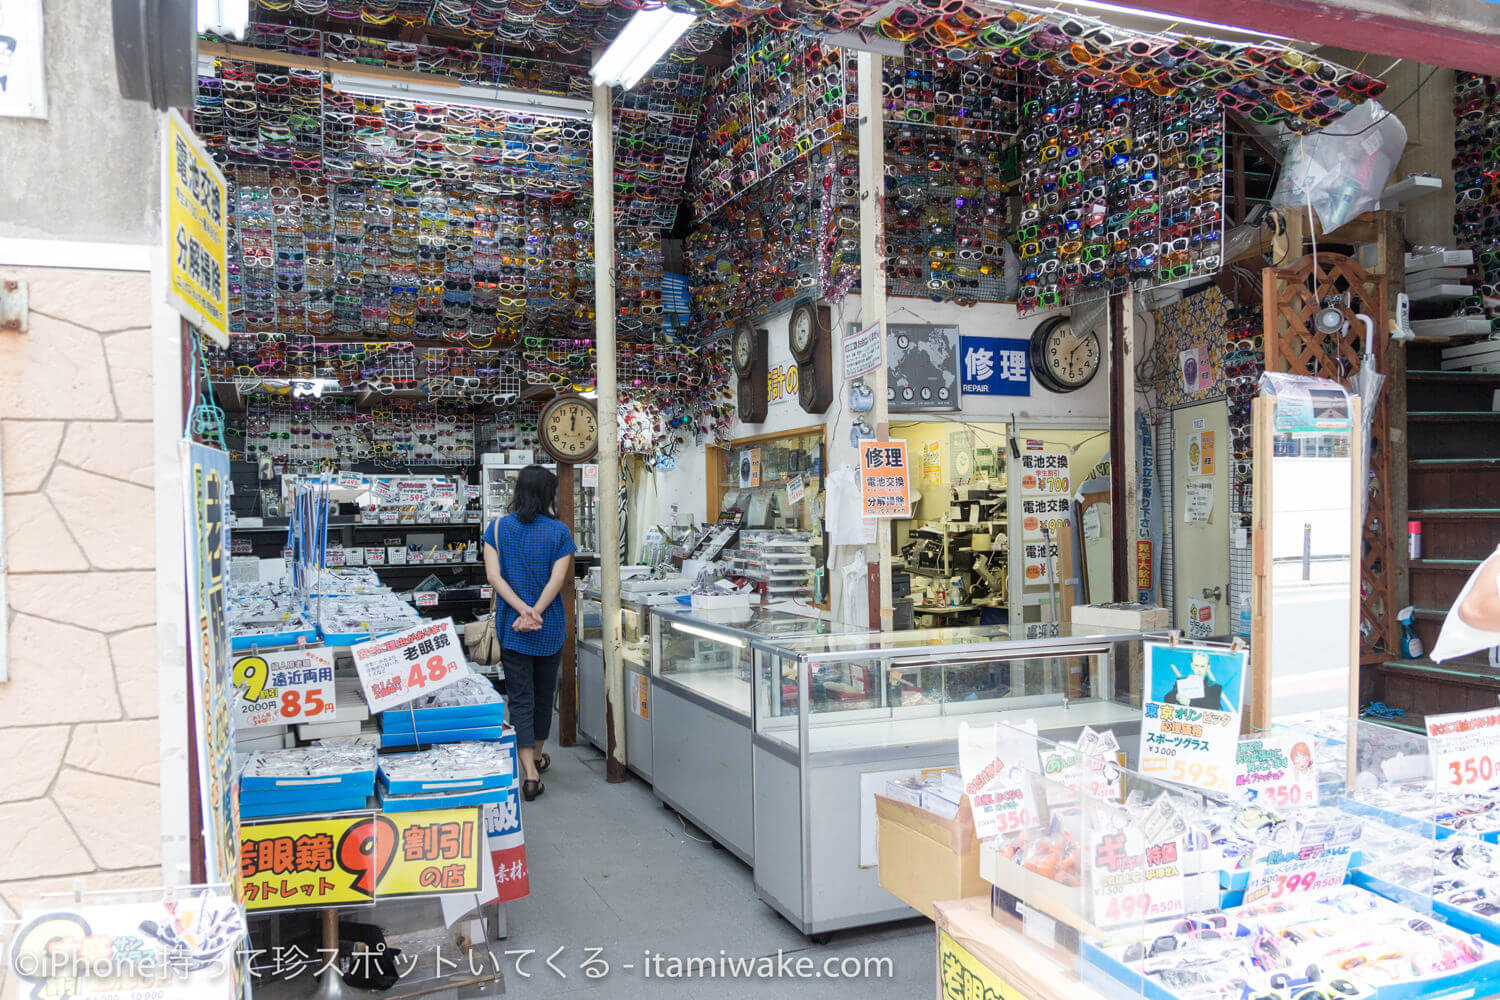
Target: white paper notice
pixel 998 764
pixel 1465 748
pixel 1199 502
pixel 862 352
pixel 795 490
pixel 402 666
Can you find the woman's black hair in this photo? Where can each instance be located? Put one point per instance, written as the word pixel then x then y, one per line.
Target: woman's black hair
pixel 536 493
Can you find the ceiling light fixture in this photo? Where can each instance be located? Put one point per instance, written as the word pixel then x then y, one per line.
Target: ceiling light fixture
pixel 644 40
pixel 226 18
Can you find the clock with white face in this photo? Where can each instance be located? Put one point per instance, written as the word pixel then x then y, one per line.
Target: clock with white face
pixel 569 429
pixel 802 329
pixel 744 348
pixel 1062 359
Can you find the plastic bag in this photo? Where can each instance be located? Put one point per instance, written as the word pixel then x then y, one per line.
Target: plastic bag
pixel 1342 169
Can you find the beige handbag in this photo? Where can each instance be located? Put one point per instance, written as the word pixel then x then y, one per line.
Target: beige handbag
pixel 483 644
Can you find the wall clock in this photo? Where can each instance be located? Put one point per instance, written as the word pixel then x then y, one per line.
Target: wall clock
pixel 569 429
pixel 751 364
pixel 1063 359
pixel 810 335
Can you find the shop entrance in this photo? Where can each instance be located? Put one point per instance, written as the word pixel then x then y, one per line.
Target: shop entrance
pixel 1200 493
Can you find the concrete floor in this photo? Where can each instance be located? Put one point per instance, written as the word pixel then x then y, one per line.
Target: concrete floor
pixel 612 869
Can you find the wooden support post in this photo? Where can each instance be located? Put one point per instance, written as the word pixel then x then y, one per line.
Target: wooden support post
pixel 567 677
pixel 1122 486
pixel 1390 262
pixel 609 437
pixel 872 299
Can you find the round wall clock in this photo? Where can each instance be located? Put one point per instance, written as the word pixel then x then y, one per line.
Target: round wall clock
pixel 569 429
pixel 1064 360
pixel 744 348
pixel 802 331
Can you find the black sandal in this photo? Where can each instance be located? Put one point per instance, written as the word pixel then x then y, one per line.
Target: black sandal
pixel 543 761
pixel 531 789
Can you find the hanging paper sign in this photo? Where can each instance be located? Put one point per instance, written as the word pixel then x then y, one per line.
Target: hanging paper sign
pixel 471 491
pixel 862 352
pixel 795 490
pixel 1202 618
pixel 196 220
pixel 932 463
pixel 382 490
pixel 278 689
pixel 1046 510
pixel 1190 725
pixel 355 860
pixel 507 846
pixel 997 764
pixel 350 481
pixel 590 476
pixel 885 479
pixel 1277 771
pixel 1198 501
pixel 1309 870
pixel 1465 748
pixel 75 952
pixel 397 668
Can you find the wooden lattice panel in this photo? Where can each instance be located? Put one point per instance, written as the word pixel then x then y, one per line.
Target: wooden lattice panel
pixel 1291 297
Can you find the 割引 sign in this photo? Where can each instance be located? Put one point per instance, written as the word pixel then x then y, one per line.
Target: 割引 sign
pixel 278 689
pixel 402 666
pixel 196 219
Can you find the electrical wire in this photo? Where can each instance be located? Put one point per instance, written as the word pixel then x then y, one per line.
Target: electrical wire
pixel 1388 111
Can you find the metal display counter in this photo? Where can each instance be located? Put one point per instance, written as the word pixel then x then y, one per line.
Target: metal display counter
pixel 701 709
pixel 835 713
pixel 635 652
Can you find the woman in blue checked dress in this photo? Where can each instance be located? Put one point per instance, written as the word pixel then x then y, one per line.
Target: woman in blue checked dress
pixel 528 559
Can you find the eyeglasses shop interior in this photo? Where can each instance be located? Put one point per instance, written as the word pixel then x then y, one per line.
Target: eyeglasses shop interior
pixel 1017 408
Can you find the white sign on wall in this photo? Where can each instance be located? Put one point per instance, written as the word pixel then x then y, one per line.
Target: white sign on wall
pixel 23 78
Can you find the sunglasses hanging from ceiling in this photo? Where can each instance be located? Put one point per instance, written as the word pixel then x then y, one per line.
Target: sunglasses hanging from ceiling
pixel 1118 189
pixel 1476 182
pixel 1270 83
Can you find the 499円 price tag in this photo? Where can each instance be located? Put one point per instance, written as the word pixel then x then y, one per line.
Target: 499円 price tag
pixel 1135 878
pixel 397 668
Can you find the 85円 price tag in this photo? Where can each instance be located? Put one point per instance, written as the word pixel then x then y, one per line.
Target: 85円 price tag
pixel 278 689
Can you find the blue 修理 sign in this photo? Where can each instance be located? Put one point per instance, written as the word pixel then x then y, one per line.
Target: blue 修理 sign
pixel 993 366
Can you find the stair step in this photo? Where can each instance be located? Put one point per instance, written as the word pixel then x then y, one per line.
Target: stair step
pixel 1445 565
pixel 1453 513
pixel 1456 464
pixel 1433 375
pixel 1452 416
pixel 1466 670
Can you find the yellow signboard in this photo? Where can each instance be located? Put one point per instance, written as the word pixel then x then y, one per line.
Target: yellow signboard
pixel 964 977
pixel 355 860
pixel 196 217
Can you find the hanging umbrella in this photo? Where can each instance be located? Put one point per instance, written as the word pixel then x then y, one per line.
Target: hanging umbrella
pixel 1368 382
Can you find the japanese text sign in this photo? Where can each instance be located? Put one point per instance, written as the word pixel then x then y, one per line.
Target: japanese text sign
pixel 884 479
pixel 997 764
pixel 196 219
pixel 1278 771
pixel 507 846
pixel 993 366
pixel 277 689
pixel 404 665
pixel 353 860
pixel 1136 877
pixel 964 977
pixel 1315 868
pixel 1191 716
pixel 862 352
pixel 1465 748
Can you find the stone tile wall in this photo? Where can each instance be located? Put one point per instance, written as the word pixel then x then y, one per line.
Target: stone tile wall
pixel 79 782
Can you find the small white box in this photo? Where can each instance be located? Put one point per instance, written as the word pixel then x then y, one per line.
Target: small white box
pixel 354 557
pixel 520 456
pixel 395 555
pixel 908 790
pixel 1136 617
pixel 934 801
pixel 375 555
pixel 706 602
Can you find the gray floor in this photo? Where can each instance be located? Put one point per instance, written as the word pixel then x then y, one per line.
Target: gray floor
pixel 613 870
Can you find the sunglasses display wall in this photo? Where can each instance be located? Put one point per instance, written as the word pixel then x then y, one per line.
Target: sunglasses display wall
pixel 398 433
pixel 1118 189
pixel 1269 83
pixel 1476 182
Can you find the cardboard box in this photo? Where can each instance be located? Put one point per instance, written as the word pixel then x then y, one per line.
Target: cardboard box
pixel 925 858
pixel 1136 617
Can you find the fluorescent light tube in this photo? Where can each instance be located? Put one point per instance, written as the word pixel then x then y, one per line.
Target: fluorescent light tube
pixel 230 18
pixel 514 101
pixel 637 48
pixel 704 633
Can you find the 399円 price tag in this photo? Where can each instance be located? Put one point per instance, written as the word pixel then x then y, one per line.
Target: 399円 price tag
pixel 1286 874
pixel 1465 748
pixel 405 665
pixel 278 689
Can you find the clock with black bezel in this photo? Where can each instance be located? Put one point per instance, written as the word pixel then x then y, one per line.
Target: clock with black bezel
pixel 1063 359
pixel 810 337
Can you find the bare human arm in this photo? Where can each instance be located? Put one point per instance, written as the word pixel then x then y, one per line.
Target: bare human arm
pixel 561 570
pixel 1481 608
pixel 528 620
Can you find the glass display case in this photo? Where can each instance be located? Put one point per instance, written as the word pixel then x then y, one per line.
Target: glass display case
pixel 702 705
pixel 635 652
pixel 752 477
pixel 830 710
pixel 497 480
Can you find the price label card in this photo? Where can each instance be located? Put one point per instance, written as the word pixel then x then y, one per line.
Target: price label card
pixel 795 490
pixel 1277 771
pixel 426 598
pixel 1465 748
pixel 350 481
pixel 486 592
pixel 278 689
pixel 1313 869
pixel 1134 877
pixel 997 764
pixel 590 474
pixel 402 666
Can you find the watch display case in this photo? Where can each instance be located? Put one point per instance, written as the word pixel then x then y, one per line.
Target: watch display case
pixel 497 481
pixel 635 653
pixel 702 703
pixel 832 709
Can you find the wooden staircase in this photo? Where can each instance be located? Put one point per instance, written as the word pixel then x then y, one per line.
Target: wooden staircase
pixel 1453 488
